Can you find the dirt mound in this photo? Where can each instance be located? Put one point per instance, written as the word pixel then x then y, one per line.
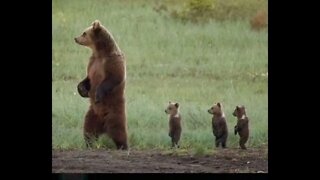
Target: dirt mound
pixel 155 161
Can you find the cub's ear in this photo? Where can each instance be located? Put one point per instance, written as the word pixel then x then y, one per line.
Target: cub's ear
pixel 237 107
pixel 96 24
pixel 177 105
pixel 219 105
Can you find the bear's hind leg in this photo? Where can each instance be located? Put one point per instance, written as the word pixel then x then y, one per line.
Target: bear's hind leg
pixel 118 134
pixel 223 144
pixel 92 127
pixel 121 144
pixel 217 142
pixel 172 142
pixel 224 141
pixel 242 142
pixel 176 139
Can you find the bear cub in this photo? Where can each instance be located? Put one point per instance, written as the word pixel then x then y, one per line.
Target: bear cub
pixel 174 123
pixel 242 127
pixel 219 125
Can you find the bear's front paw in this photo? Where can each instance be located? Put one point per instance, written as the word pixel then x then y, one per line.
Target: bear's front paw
pixel 82 90
pixel 235 130
pixel 98 99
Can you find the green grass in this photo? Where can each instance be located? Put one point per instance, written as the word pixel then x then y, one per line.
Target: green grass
pixel 192 64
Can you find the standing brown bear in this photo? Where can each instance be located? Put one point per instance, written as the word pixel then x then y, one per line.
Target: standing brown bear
pixel 242 127
pixel 104 85
pixel 219 125
pixel 174 123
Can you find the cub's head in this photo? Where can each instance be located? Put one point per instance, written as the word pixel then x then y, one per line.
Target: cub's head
pixel 239 111
pixel 216 109
pixel 94 36
pixel 172 109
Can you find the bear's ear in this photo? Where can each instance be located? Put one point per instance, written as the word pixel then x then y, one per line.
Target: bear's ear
pixel 177 105
pixel 219 105
pixel 96 24
pixel 237 107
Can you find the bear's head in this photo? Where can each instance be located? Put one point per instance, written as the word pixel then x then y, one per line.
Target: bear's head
pixel 96 37
pixel 216 109
pixel 172 109
pixel 239 112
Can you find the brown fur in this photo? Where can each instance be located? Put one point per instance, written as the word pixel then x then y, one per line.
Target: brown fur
pixel 219 125
pixel 174 123
pixel 242 127
pixel 104 85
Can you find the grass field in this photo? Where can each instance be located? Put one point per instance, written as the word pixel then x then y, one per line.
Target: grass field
pixel 193 64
